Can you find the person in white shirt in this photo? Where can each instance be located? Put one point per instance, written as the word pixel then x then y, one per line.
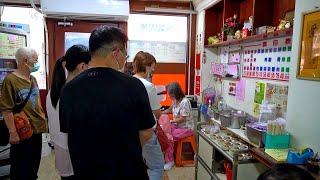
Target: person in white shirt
pixel 75 61
pixel 143 66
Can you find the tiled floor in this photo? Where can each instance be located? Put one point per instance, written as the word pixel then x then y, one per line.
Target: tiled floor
pixel 47 170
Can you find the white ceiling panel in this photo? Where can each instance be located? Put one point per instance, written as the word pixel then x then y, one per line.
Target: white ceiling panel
pixel 21 1
pixel 196 2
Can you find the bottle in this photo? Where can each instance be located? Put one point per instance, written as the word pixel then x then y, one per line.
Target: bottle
pixel 221 104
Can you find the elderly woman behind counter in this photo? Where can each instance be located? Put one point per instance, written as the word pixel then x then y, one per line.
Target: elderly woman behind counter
pixel 182 122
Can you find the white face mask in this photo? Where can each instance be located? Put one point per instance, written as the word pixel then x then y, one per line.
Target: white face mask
pixel 124 64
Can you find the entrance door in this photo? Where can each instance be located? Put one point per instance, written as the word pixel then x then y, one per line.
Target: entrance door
pixel 61 37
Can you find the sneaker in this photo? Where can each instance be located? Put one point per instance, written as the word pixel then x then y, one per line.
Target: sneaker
pixel 168 166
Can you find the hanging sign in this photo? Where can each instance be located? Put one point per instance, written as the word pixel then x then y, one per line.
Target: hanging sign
pixel 198 78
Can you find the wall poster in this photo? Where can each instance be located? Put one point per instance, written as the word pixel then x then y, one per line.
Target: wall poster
pixel 232 88
pixel 278 94
pixel 241 90
pixel 258 97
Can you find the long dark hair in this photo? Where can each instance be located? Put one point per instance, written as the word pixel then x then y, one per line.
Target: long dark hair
pixel 75 55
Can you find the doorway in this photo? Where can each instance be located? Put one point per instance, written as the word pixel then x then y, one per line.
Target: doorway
pixel 57 33
pixel 59 36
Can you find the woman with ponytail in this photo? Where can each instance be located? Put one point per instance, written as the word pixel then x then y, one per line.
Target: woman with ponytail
pixel 75 61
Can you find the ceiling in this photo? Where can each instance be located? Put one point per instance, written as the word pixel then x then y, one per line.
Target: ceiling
pixel 38 1
pixel 21 1
pixel 195 2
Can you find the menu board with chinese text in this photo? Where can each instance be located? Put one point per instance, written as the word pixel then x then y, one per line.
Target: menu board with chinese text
pixel 9 43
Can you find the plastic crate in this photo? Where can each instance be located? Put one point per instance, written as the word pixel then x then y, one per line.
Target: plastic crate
pixel 277 141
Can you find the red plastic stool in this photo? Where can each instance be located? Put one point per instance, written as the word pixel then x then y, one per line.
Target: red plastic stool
pixel 179 161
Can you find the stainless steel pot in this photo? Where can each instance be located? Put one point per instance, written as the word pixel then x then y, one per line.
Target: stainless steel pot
pixel 216 115
pixel 238 118
pixel 225 118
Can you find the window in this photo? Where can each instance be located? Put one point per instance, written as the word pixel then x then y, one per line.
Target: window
pixel 35 20
pixel 72 38
pixel 165 37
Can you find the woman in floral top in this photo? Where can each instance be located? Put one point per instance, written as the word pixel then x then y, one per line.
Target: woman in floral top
pixel 182 122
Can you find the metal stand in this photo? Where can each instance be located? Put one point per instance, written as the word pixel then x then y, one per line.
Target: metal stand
pixel 216 148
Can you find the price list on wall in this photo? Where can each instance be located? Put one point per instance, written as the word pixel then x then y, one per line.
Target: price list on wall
pixel 269 59
pixel 164 52
pixel 9 44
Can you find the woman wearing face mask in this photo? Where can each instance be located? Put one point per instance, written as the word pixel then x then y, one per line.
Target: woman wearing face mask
pixel 182 123
pixel 76 60
pixel 143 65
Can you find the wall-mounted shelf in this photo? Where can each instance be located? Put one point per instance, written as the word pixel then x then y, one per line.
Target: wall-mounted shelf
pixel 216 15
pixel 259 37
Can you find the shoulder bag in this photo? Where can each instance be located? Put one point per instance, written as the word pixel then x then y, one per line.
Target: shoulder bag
pixel 21 122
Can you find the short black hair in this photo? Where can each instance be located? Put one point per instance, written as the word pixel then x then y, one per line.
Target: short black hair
pixel 174 89
pixel 75 55
pixel 105 38
pixel 286 172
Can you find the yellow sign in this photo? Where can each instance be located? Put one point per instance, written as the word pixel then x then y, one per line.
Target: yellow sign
pixel 278 154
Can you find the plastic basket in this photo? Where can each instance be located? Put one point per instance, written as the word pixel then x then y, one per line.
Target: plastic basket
pixel 277 141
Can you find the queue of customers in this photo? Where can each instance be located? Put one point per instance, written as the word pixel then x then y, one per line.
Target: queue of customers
pixel 101 121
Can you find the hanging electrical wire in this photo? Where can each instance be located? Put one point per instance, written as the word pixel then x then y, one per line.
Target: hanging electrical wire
pixel 1 8
pixel 212 78
pixel 34 6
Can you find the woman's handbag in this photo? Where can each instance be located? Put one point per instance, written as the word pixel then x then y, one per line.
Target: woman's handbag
pixel 21 120
pixel 162 137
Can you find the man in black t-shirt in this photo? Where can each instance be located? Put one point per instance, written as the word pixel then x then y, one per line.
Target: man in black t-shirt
pixel 106 113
